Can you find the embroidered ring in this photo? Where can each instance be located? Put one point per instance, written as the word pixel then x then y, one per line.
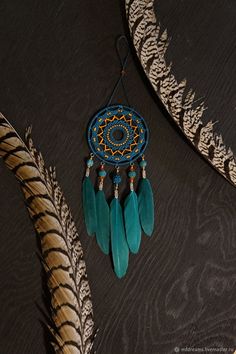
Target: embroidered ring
pixel 118 135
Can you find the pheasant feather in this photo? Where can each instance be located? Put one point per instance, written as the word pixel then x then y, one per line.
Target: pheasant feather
pixel 103 222
pixel 132 223
pixel 72 312
pixel 151 45
pixel 120 250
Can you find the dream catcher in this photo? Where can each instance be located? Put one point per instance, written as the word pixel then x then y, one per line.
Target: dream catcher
pixel 118 136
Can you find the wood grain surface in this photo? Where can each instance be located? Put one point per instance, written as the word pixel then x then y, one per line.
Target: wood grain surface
pixel 57 68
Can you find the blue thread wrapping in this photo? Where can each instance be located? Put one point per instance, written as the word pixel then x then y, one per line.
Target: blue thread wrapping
pixel 102 139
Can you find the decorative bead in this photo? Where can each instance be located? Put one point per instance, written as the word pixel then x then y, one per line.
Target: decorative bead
pixel 117 179
pixel 90 163
pixel 132 174
pixel 143 163
pixel 102 173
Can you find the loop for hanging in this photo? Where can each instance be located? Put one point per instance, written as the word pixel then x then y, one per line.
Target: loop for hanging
pixel 123 63
pixel 123 60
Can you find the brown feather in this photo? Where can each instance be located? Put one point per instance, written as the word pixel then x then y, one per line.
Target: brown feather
pixel 62 253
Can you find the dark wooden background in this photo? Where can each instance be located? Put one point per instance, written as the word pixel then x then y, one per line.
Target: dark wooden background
pixel 57 67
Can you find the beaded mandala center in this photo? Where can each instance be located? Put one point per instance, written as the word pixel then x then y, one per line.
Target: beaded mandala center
pixel 117 135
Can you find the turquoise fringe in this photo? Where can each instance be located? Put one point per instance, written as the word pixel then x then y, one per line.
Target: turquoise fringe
pixel 89 206
pixel 119 246
pixel 146 206
pixel 132 223
pixel 103 222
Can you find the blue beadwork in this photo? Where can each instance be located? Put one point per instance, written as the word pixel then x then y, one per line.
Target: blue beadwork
pixel 90 163
pixel 132 174
pixel 117 120
pixel 143 163
pixel 102 173
pixel 117 179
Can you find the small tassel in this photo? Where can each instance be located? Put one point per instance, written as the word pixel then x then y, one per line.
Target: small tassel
pixel 131 214
pixel 103 215
pixel 119 246
pixel 89 202
pixel 145 201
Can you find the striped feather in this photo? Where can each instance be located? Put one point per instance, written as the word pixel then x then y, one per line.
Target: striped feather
pixel 89 206
pixel 151 45
pixel 72 312
pixel 132 223
pixel 103 222
pixel 119 246
pixel 146 206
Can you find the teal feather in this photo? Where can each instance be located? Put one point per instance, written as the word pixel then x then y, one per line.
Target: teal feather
pixel 103 222
pixel 132 223
pixel 119 246
pixel 146 206
pixel 89 206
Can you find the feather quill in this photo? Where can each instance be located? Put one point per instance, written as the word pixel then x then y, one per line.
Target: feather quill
pixel 146 206
pixel 89 206
pixel 132 223
pixel 72 312
pixel 151 45
pixel 120 250
pixel 103 222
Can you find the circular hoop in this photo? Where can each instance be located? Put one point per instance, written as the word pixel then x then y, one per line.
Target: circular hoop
pixel 118 135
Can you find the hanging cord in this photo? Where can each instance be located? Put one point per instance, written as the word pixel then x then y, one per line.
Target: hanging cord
pixel 123 64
